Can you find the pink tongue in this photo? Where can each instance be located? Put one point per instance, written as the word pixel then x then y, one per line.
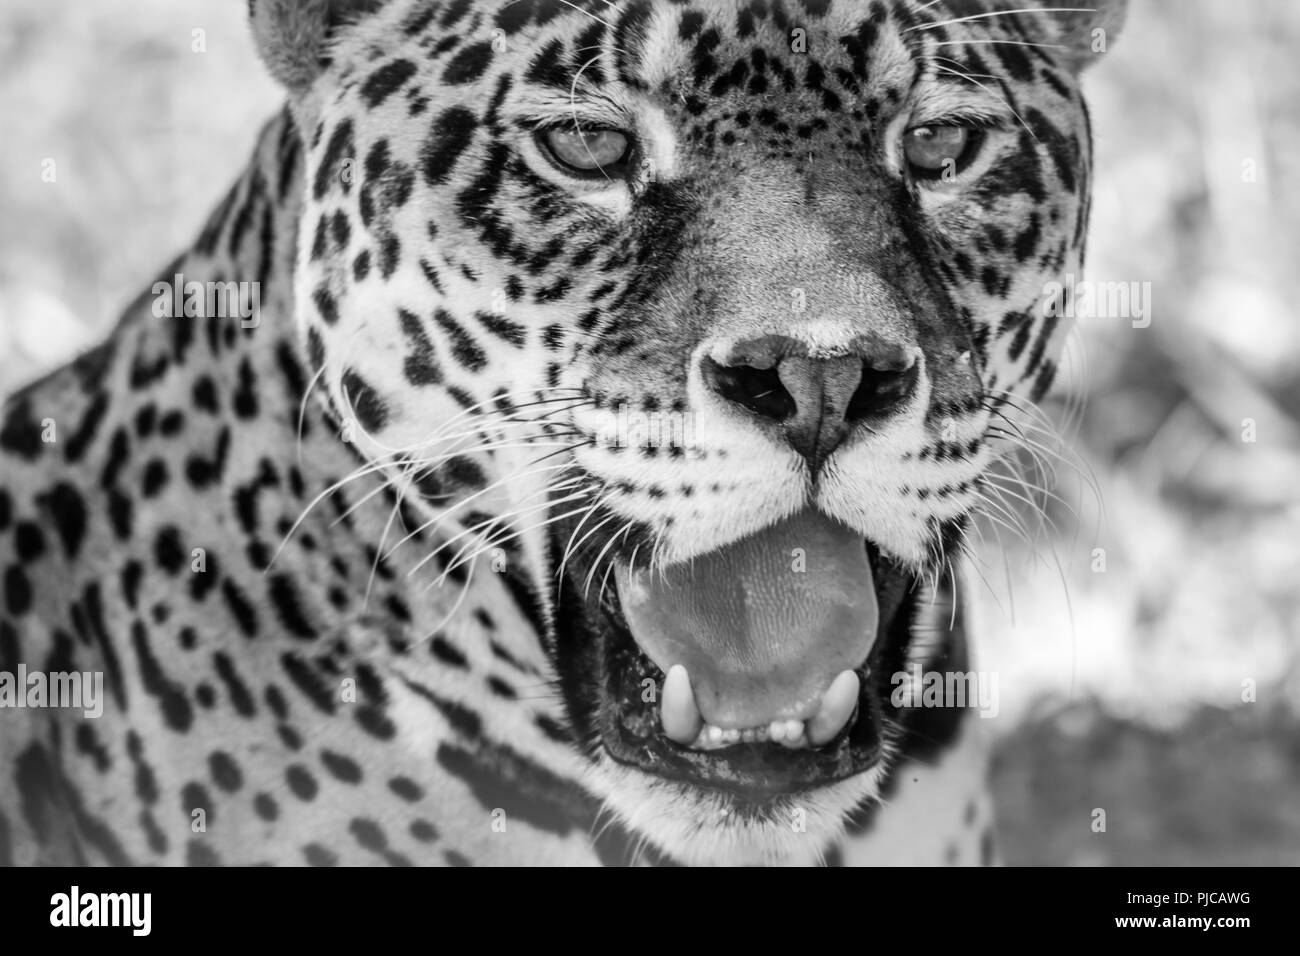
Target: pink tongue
pixel 762 625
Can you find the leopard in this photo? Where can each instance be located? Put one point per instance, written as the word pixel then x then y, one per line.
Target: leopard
pixel 558 447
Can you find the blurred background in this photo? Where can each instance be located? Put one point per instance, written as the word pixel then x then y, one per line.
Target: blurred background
pixel 1147 639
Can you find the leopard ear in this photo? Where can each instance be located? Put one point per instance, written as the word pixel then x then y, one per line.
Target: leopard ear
pixel 293 36
pixel 1085 35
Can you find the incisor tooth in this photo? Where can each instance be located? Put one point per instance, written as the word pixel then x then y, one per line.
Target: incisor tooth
pixel 836 709
pixel 681 717
pixel 794 734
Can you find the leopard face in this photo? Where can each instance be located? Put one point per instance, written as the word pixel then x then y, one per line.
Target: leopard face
pixel 658 300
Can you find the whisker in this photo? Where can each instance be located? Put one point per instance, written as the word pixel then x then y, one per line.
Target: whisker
pixel 998 13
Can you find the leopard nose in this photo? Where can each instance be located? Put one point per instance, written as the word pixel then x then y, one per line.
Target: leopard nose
pixel 816 401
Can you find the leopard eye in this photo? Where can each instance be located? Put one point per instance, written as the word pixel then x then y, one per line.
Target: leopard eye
pixel 935 152
pixel 587 151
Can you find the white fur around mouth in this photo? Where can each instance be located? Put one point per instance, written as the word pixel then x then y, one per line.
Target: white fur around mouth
pixel 683 723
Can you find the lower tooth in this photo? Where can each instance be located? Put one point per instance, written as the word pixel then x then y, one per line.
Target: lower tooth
pixel 837 706
pixel 681 720
pixel 678 713
pixel 789 733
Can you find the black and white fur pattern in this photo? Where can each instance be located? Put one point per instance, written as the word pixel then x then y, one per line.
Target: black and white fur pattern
pixel 449 325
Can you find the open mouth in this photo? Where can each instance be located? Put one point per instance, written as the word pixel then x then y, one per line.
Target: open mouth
pixel 759 669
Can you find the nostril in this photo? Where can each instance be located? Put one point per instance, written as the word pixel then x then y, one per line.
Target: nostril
pixel 880 391
pixel 757 389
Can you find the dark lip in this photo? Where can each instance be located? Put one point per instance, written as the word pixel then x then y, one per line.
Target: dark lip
pixel 602 674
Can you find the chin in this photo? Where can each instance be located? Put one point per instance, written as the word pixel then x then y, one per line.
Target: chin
pixel 699 826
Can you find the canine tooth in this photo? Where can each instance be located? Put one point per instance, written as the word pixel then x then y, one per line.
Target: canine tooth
pixel 836 709
pixel 677 710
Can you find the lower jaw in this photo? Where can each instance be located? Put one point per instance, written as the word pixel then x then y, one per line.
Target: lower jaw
pixel 624 716
pixel 631 734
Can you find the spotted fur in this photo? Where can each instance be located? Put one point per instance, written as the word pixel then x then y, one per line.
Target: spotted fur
pixel 317 559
